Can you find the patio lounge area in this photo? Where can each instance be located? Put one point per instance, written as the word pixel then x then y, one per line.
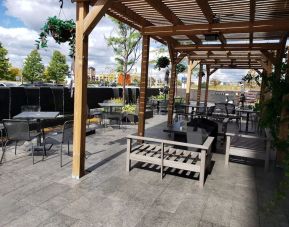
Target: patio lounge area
pixel 44 194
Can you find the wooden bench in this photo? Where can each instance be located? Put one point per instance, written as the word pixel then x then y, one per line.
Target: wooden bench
pixel 161 152
pixel 249 146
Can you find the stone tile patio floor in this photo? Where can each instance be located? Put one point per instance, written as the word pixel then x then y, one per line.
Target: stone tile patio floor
pixel 45 194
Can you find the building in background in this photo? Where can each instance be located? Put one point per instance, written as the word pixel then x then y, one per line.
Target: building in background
pixel 91 73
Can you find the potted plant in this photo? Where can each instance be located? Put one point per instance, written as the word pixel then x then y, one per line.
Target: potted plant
pixel 61 30
pixel 130 112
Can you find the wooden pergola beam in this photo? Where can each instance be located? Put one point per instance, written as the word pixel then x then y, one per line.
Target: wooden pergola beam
pixel 96 13
pixel 225 57
pixel 165 11
pixel 180 57
pixel 208 13
pixel 225 28
pixel 228 47
pixel 252 19
pixel 121 9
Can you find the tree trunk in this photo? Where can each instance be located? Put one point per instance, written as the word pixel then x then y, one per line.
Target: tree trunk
pixel 124 79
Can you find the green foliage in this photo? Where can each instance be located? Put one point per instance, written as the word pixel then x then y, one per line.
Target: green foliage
pixel 278 86
pixel 116 100
pixel 252 77
pixel 4 63
pixel 215 82
pixel 161 96
pixel 13 73
pixel 130 109
pixel 203 85
pixel 57 69
pixel 162 62
pixel 181 68
pixel 125 44
pixel 61 30
pixel 33 68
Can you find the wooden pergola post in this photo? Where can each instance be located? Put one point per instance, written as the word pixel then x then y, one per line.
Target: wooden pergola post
pixel 85 22
pixel 207 84
pixel 173 55
pixel 81 61
pixel 199 92
pixel 143 84
pixel 189 79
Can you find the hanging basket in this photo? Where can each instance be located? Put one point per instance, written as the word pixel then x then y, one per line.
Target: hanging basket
pixel 162 62
pixel 61 30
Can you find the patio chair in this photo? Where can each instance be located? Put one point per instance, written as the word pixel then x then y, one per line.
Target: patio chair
pixel 1 135
pixel 231 112
pixel 92 113
pixel 19 130
pixel 248 146
pixel 30 108
pixel 65 137
pixel 210 111
pixel 114 116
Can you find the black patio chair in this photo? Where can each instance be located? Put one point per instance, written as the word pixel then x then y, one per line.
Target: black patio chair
pixel 30 108
pixel 2 136
pixel 34 124
pixel 65 137
pixel 19 130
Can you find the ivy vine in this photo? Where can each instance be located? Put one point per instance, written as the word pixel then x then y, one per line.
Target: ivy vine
pixel 278 86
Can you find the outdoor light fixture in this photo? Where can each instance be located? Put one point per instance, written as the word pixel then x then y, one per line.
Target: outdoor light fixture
pixel 211 37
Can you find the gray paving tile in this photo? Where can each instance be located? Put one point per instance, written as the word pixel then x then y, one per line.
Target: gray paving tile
pixel 31 218
pixel 217 211
pixel 58 220
pixel 45 195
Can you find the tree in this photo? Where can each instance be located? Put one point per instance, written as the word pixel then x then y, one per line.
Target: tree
pixel 57 69
pixel 14 72
pixel 33 67
pixel 4 63
pixel 215 82
pixel 126 46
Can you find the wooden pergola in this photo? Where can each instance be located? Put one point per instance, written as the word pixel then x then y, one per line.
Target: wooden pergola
pixel 245 34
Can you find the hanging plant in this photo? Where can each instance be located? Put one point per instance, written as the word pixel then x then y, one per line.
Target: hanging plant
pixel 61 30
pixel 181 68
pixel 162 62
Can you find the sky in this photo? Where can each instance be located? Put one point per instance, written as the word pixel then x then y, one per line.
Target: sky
pixel 21 21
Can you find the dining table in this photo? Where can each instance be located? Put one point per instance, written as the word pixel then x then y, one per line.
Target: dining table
pixel 38 116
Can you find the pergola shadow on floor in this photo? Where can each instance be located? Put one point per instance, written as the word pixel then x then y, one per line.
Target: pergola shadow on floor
pixel 218 34
pixel 45 195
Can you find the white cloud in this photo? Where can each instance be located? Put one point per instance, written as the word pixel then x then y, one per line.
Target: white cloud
pixel 34 13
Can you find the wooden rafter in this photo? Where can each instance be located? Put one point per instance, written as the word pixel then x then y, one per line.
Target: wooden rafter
pixel 132 16
pixel 226 28
pixel 130 23
pixel 180 57
pixel 208 13
pixel 252 18
pixel 227 47
pixel 165 11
